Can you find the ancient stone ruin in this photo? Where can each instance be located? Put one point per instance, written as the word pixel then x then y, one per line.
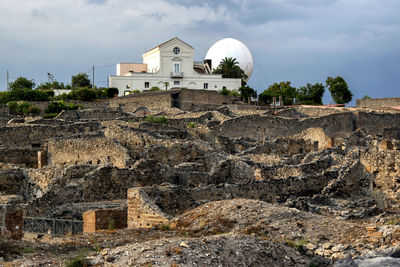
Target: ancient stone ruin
pixel 114 166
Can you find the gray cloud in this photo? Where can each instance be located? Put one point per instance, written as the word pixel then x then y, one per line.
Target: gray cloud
pixel 297 40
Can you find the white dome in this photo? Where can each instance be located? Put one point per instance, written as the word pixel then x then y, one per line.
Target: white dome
pixel 230 47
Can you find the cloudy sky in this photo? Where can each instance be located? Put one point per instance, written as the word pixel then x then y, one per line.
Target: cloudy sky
pixel 291 40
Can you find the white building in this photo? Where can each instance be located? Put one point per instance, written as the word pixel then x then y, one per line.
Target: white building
pixel 170 65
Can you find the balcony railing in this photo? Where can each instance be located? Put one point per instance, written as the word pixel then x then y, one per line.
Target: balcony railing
pixel 176 74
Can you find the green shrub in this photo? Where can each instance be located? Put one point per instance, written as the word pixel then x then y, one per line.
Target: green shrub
pixel 50 93
pixel 111 224
pixel 23 109
pixel 28 95
pixel 154 119
pixel 154 89
pixel 84 94
pixel 50 115
pixel 80 260
pixel 58 106
pixel 110 92
pixel 136 91
pixel 191 125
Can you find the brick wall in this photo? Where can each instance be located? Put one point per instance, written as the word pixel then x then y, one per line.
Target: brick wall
pixel 94 220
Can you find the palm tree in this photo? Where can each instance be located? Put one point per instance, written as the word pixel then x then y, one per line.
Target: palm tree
pixel 229 68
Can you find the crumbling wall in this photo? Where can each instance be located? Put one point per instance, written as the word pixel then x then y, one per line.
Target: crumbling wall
pixel 94 220
pixel 261 127
pixel 11 181
pixel 27 136
pixel 374 123
pixel 11 220
pixel 142 212
pixel 87 150
pixel 378 102
pixel 92 114
pixel 384 165
pixel 86 104
pixel 152 100
pixel 191 100
pixel 285 146
pixel 24 157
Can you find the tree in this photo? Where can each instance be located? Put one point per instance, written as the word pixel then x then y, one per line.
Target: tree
pixel 310 94
pixel 51 83
pixel 366 97
pixel 166 84
pixel 229 68
pixel 22 83
pixel 283 89
pixel 80 80
pixel 339 90
pixel 247 92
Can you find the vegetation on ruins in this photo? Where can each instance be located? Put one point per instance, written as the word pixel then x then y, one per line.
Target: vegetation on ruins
pixel 154 119
pixel 154 89
pixel 339 90
pixel 80 80
pixel 283 89
pixel 22 108
pixel 191 125
pixel 55 107
pixel 227 92
pixel 310 94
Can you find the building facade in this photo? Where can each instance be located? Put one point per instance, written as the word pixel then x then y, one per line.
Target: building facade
pixel 169 65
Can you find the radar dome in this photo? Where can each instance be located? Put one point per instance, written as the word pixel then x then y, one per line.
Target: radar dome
pixel 230 47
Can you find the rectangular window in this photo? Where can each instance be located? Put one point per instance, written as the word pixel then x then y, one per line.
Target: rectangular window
pixel 205 85
pixel 146 84
pixel 177 83
pixel 177 68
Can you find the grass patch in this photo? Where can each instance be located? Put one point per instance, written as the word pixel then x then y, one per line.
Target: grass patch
pixel 153 119
pixel 191 125
pixel 78 261
pixel 393 221
pixel 298 243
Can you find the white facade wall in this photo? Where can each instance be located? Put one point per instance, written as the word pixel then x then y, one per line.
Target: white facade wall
pixel 152 59
pixel 160 62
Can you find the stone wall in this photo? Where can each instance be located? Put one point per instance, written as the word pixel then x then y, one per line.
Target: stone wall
pixel 378 102
pixel 11 218
pixel 86 150
pixel 86 104
pixel 191 100
pixel 384 164
pixel 11 181
pixel 92 114
pixel 152 100
pixel 27 136
pixel 375 123
pixel 261 127
pixel 23 157
pixel 142 212
pixel 94 220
